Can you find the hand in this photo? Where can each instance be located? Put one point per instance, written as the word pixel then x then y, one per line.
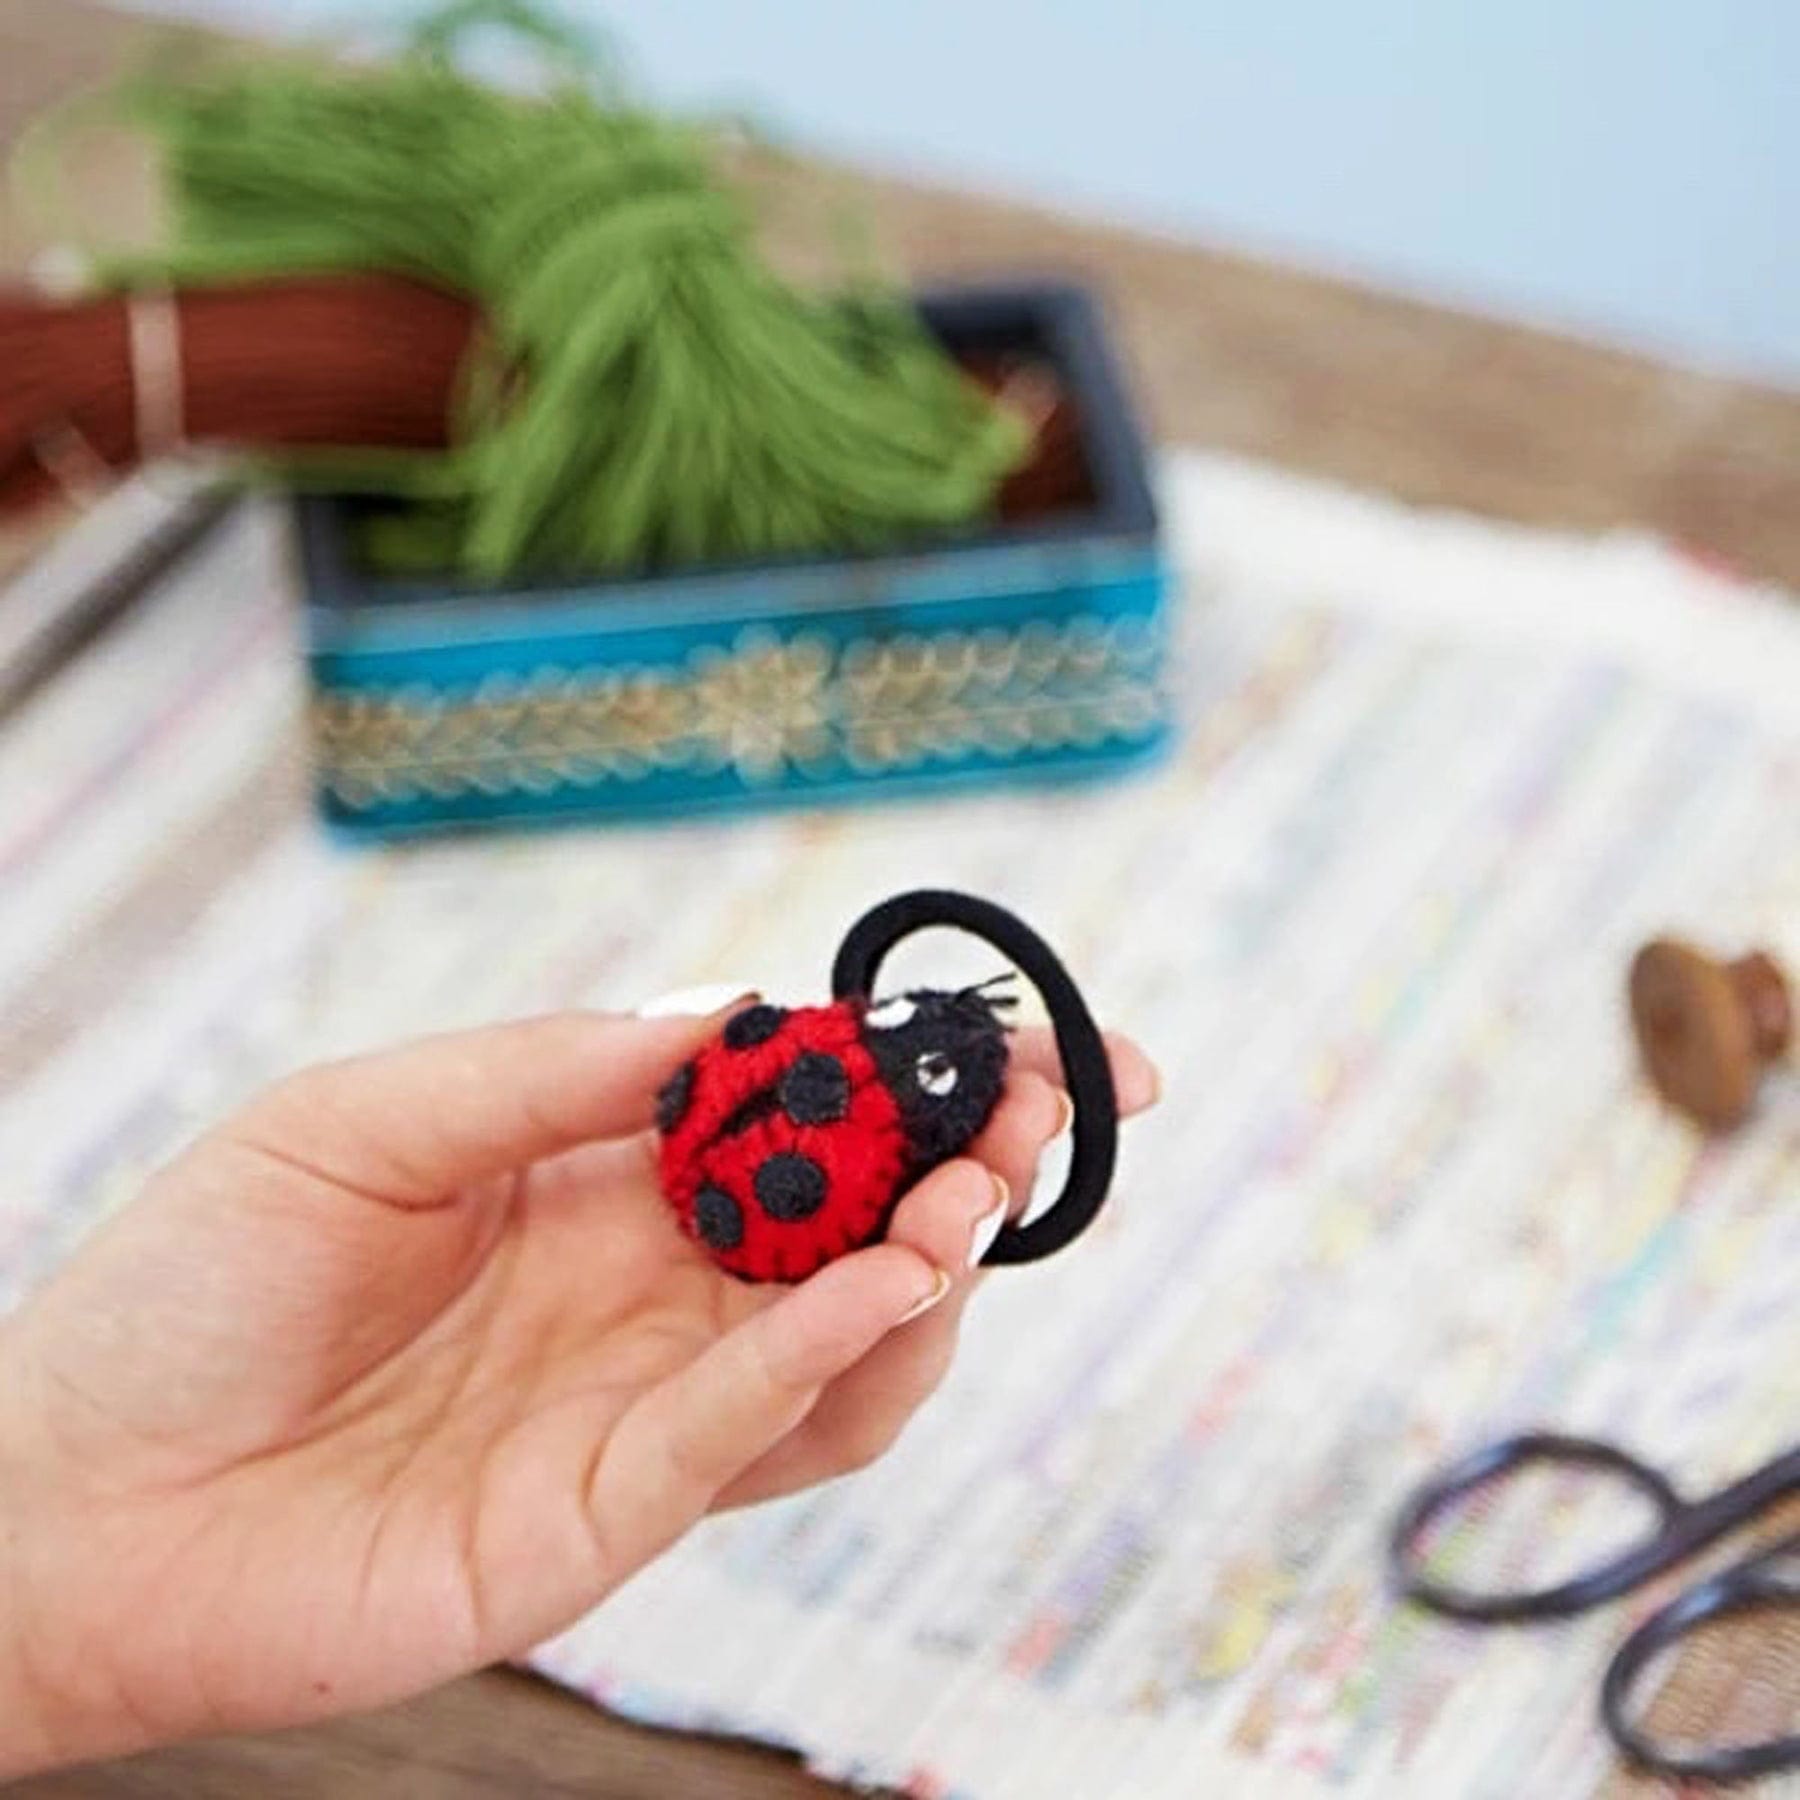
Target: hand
pixel 407 1365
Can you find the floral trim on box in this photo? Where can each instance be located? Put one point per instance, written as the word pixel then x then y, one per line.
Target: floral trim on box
pixel 769 708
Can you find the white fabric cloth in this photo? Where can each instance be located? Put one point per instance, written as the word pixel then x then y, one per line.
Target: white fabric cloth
pixel 1438 778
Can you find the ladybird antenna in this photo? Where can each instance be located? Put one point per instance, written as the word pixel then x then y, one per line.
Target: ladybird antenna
pixel 996 1003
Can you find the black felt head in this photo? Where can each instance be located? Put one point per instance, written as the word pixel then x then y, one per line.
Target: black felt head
pixel 943 1058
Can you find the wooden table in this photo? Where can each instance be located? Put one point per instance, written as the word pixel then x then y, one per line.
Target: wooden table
pixel 1435 406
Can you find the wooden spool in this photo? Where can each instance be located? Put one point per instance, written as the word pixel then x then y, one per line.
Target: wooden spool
pixel 1707 1028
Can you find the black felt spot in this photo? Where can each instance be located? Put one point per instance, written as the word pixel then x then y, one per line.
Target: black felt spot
pixel 719 1218
pixel 672 1101
pixel 754 1025
pixel 816 1090
pixel 789 1187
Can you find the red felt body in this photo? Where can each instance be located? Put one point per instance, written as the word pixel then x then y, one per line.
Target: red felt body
pixel 863 1154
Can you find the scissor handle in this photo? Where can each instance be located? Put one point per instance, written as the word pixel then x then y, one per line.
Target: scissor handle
pixel 1532 1449
pixel 1767 1582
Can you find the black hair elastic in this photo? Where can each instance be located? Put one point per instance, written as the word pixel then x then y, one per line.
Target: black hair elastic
pixel 1086 1071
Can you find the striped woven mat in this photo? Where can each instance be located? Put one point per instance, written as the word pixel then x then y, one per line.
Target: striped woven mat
pixel 1437 779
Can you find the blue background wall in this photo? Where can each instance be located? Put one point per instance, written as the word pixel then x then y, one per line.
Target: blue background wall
pixel 1625 168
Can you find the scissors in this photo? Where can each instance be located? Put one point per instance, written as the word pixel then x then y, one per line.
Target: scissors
pixel 1768 1580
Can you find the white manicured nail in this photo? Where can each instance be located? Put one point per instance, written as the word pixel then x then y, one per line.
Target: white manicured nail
pixel 940 1286
pixel 696 1002
pixel 1066 1122
pixel 987 1228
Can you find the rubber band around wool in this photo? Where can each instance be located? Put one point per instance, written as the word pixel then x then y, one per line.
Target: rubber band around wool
pixel 1086 1071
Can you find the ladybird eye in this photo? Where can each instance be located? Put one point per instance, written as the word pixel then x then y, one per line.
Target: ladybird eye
pixel 890 1015
pixel 936 1073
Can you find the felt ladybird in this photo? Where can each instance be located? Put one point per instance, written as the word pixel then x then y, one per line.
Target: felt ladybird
pixel 789 1139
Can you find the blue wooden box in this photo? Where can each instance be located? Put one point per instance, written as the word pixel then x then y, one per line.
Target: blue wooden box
pixel 1022 651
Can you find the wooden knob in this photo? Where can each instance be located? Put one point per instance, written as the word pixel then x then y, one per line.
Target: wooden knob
pixel 1707 1028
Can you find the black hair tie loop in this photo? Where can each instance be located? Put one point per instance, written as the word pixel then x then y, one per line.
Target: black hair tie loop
pixel 1078 1042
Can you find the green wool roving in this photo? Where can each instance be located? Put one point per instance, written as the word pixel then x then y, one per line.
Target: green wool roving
pixel 651 392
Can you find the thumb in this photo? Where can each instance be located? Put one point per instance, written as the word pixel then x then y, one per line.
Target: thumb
pixel 414 1124
pixel 673 1451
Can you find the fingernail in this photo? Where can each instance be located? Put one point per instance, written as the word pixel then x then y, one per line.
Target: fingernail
pixel 697 1002
pixel 1065 1117
pixel 940 1286
pixel 1156 1084
pixel 987 1227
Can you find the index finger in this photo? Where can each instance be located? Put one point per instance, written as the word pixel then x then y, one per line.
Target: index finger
pixel 411 1125
pixel 1136 1080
